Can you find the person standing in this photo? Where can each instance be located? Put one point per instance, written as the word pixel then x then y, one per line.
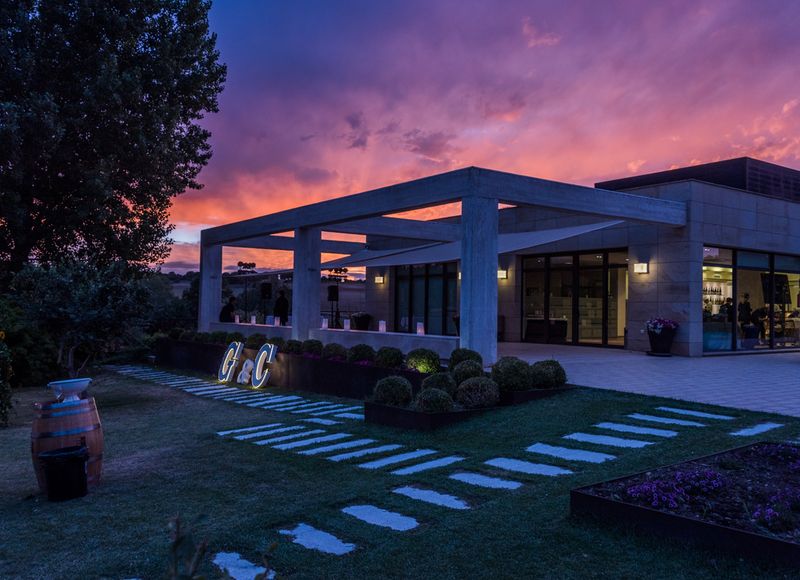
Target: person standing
pixel 281 309
pixel 226 314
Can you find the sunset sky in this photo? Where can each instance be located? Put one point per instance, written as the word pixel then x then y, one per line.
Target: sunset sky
pixel 325 98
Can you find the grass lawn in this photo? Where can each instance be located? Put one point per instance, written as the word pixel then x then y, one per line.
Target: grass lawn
pixel 164 458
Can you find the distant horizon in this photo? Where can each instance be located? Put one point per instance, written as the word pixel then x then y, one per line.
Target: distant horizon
pixel 385 93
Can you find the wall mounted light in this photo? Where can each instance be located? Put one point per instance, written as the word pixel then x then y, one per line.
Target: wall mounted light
pixel 502 274
pixel 379 279
pixel 641 267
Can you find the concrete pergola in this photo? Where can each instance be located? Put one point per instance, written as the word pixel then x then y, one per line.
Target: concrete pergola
pixel 480 192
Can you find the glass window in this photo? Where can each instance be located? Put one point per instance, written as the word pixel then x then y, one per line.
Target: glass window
pixel 591 260
pixel 752 308
pixel 435 305
pixel 787 264
pixel 617 305
pixel 560 314
pixel 721 256
pixel 752 260
pixel 618 258
pixel 402 304
pixel 533 306
pixel 560 261
pixel 719 310
pixel 786 310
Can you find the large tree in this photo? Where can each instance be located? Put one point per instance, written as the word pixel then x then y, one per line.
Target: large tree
pixel 100 104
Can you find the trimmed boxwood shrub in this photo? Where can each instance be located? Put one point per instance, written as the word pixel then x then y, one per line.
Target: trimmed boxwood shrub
pixel 423 360
pixel 293 347
pixel 433 401
pixel 175 333
pixel 394 390
pixel 277 341
pixel 203 337
pixel 389 357
pixel 512 374
pixel 361 353
pixel 547 374
pixel 218 337
pixel 312 346
pixel 255 341
pixel 334 351
pixel 442 381
pixel 234 337
pixel 477 392
pixel 462 354
pixel 466 370
pixel 188 335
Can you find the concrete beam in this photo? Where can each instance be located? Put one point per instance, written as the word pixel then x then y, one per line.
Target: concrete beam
pixel 400 228
pixel 306 282
pixel 210 301
pixel 419 193
pixel 478 311
pixel 286 243
pixel 523 190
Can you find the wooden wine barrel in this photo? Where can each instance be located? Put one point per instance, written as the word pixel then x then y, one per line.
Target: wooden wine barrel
pixel 58 425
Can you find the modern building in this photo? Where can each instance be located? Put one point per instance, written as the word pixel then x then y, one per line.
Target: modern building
pixel 715 247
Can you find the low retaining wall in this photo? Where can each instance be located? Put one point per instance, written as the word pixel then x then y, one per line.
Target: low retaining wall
pixel 442 345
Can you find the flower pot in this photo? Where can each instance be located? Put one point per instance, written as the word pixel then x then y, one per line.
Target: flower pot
pixel 661 342
pixel 69 389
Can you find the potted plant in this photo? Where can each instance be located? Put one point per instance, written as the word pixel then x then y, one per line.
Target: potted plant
pixel 661 332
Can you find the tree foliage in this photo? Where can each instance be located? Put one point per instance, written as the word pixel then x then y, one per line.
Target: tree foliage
pixel 100 103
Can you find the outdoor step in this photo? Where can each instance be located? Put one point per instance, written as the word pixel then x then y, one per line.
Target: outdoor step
pixel 527 467
pixel 692 413
pixel 392 459
pixel 481 480
pixel 283 438
pixel 363 452
pixel 314 539
pixel 570 454
pixel 425 466
pixel 665 420
pixel 381 517
pixel 607 440
pixel 623 428
pixel 756 429
pixel 337 447
pixel 432 497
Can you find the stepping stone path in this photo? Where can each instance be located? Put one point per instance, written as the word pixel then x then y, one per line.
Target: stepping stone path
pixel 248 397
pixel 665 420
pixel 238 568
pixel 397 458
pixel 527 467
pixel 428 465
pixel 607 440
pixel 570 454
pixel 622 428
pixel 692 413
pixel 485 481
pixel 314 539
pixel 381 517
pixel 756 429
pixel 432 497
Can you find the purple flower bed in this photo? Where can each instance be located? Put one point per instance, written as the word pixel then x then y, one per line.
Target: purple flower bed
pixel 754 489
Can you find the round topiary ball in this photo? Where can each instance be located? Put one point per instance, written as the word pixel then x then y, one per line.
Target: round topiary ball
pixel 423 360
pixel 389 357
pixel 462 354
pixel 334 351
pixel 512 374
pixel 441 381
pixel 433 401
pixel 394 390
pixel 312 347
pixel 548 374
pixel 361 353
pixel 466 370
pixel 293 347
pixel 477 392
pixel 278 342
pixel 255 341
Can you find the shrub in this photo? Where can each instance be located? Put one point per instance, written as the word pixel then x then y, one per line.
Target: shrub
pixel 389 357
pixel 511 374
pixel 395 391
pixel 477 392
pixel 441 381
pixel 6 401
pixel 361 353
pixel 218 337
pixel 462 354
pixel 547 374
pixel 175 333
pixel 235 337
pixel 466 370
pixel 433 401
pixel 255 341
pixel 312 346
pixel 423 360
pixel 334 351
pixel 203 337
pixel 189 335
pixel 293 347
pixel 277 341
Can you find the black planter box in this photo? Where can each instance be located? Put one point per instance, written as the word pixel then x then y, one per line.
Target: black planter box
pixel 664 524
pixel 518 397
pixel 661 342
pixel 289 371
pixel 411 419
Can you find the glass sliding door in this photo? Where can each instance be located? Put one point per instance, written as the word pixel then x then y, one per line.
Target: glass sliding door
pixel 617 307
pixel 786 315
pixel 754 304
pixel 591 299
pixel 426 294
pixel 719 310
pixel 560 310
pixel 533 301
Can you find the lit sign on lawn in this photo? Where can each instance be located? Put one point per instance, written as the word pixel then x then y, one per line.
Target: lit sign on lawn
pixel 266 356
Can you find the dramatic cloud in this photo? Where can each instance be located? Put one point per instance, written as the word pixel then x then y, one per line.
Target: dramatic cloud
pixel 325 99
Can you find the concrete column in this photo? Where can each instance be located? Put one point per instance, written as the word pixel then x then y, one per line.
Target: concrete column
pixel 306 282
pixel 479 223
pixel 210 301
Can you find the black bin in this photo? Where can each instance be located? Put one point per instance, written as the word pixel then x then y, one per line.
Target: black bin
pixel 65 472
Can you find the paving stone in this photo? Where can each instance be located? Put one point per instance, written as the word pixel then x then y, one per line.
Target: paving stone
pixel 391 460
pixel 354 416
pixel 314 539
pixel 665 420
pixel 319 421
pixel 337 447
pixel 608 440
pixel 238 568
pixel 570 454
pixel 527 467
pixel 433 497
pixel 756 429
pixel 316 409
pixel 381 517
pixel 312 441
pixel 692 413
pixel 329 412
pixel 485 481
pixel 623 428
pixel 288 437
pixel 425 466
pixel 246 429
pixel 258 434
pixel 363 452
